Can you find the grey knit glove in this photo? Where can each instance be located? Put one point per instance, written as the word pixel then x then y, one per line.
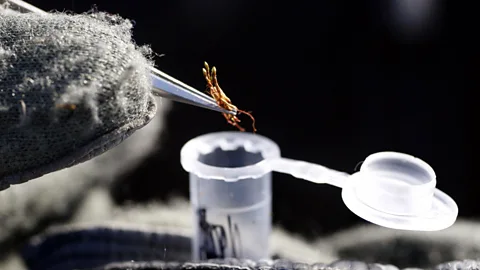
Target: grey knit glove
pixel 71 88
pixel 150 235
pixel 277 265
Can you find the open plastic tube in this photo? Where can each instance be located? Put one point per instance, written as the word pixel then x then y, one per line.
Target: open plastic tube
pixel 230 190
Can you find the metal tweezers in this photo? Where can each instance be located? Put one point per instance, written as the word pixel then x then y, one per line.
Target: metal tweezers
pixel 163 85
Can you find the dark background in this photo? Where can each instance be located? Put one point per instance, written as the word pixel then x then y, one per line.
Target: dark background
pixel 330 81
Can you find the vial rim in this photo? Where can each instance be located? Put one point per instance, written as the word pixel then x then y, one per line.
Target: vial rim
pixel 206 143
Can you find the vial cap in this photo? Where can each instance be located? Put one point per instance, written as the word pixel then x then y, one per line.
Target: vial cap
pixel 398 191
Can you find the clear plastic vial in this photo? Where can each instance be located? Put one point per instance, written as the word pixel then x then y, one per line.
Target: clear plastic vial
pixel 230 193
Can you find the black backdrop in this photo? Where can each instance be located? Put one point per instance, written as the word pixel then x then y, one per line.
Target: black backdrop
pixel 330 81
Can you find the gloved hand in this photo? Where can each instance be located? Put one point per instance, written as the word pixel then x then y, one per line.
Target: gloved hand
pixel 157 236
pixel 66 90
pixel 48 138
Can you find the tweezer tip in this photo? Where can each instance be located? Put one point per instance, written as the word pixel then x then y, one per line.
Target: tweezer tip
pixel 171 88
